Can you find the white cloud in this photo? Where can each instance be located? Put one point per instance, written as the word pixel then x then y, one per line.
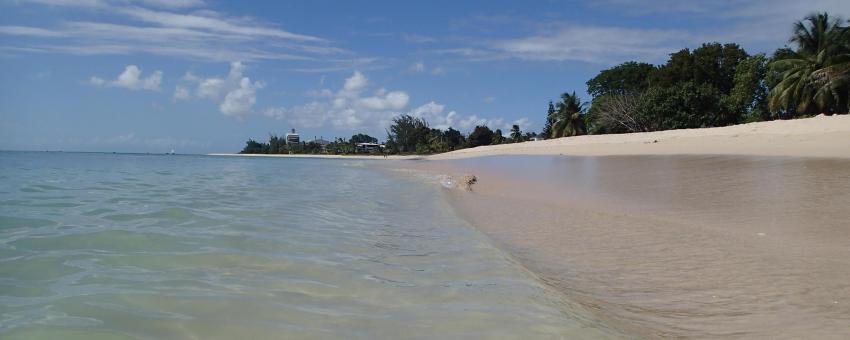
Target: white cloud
pixel 172 28
pixel 354 84
pixel 235 94
pixel 382 101
pixel 240 100
pixel 181 92
pixel 420 67
pixel 97 81
pixel 434 114
pixel 131 79
pixel 417 67
pixel 212 23
pixel 418 39
pixel 29 31
pixel 469 123
pixel 524 124
pixel 489 99
pixel 595 44
pixel 759 26
pixel 346 108
pixel 174 3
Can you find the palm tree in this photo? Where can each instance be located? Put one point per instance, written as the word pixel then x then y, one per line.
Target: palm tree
pixel 516 134
pixel 816 76
pixel 568 118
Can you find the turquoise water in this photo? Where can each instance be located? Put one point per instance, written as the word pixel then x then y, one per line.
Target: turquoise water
pixel 102 246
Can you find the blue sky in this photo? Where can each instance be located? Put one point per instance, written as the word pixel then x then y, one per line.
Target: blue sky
pixel 204 75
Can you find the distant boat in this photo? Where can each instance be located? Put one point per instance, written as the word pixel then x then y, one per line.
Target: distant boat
pixel 171 153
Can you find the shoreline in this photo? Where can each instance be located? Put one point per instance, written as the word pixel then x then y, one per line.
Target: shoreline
pixel 723 252
pixel 820 136
pixel 731 232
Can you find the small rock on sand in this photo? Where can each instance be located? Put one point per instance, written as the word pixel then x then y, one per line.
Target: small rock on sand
pixel 467 181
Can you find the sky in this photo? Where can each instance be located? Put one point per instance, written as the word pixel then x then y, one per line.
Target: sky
pixel 202 76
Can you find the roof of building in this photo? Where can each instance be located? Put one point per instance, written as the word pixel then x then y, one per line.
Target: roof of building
pixel 319 141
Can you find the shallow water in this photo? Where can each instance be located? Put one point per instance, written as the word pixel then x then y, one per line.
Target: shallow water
pixel 98 246
pixel 719 247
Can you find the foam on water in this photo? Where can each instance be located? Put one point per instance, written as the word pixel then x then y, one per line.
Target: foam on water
pixel 102 246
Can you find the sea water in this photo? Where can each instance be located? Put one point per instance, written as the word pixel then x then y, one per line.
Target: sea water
pixel 114 246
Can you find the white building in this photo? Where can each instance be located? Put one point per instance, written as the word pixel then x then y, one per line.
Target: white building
pixel 368 147
pixel 292 138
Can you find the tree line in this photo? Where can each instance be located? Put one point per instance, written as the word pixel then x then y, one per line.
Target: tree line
pixel 716 85
pixel 406 135
pixel 712 85
pixel 278 145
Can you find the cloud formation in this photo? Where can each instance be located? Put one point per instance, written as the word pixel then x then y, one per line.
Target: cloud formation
pixel 131 79
pixel 349 109
pixel 759 26
pixel 420 67
pixel 595 44
pixel 345 109
pixel 235 94
pixel 182 29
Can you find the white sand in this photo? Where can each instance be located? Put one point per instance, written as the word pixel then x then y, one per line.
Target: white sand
pixel 820 136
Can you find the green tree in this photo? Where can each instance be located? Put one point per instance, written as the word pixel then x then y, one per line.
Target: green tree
pixel 627 78
pixel 498 138
pixel 568 117
pixel 254 147
pixel 748 97
pixel 481 135
pixel 454 139
pixel 815 78
pixel 516 134
pixel 437 141
pixel 689 105
pixel 362 138
pixel 711 63
pixel 406 132
pixel 547 127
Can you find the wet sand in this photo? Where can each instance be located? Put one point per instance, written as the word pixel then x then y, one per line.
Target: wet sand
pixel 675 246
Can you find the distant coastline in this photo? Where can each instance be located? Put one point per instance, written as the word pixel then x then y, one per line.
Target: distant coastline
pixel 820 136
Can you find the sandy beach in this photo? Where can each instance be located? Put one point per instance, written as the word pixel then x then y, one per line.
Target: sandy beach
pixel 821 136
pixel 734 232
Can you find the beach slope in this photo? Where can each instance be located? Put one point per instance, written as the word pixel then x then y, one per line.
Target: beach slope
pixel 821 136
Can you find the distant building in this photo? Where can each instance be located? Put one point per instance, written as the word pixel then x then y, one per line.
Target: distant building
pixel 368 147
pixel 292 138
pixel 323 143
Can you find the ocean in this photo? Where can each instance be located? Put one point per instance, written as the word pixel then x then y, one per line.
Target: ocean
pixel 118 246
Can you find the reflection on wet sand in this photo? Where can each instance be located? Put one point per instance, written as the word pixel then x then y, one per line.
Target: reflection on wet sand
pixel 691 246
